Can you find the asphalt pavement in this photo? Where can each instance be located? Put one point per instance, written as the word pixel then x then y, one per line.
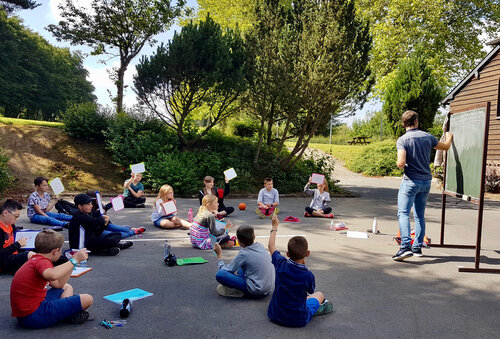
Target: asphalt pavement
pixel 373 296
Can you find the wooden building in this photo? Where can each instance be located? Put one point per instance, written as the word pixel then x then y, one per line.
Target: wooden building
pixel 478 87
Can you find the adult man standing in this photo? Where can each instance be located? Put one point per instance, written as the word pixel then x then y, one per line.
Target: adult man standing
pixel 414 150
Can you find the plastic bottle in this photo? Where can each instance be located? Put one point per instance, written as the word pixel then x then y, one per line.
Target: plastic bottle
pixel 375 226
pixel 167 251
pixel 126 308
pixel 190 215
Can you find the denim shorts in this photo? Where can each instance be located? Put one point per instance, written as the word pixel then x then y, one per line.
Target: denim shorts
pixel 312 305
pixel 158 221
pixel 52 310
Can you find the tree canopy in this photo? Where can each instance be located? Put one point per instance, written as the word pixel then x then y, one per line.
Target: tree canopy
pixel 450 32
pixel 310 61
pixel 37 80
pixel 413 88
pixel 202 70
pixel 117 28
pixel 11 5
pixel 447 32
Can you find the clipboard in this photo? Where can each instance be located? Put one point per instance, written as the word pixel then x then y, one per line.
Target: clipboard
pixel 134 294
pixel 78 271
pixel 99 202
pixel 30 236
pixel 169 207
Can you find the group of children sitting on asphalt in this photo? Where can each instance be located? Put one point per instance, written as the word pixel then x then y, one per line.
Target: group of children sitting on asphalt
pixel 252 273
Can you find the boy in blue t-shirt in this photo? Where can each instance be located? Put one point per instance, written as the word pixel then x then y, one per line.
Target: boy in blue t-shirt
pixel 291 305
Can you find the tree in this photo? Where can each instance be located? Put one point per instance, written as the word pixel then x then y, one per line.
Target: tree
pixel 199 75
pixel 414 88
pixel 228 13
pixel 451 34
pixel 11 5
pixel 118 28
pixel 310 62
pixel 37 80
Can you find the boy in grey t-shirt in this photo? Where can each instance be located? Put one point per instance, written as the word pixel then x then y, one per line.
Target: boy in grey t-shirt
pixel 250 273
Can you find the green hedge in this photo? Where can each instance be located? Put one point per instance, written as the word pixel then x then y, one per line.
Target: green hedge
pixel 85 120
pixel 377 159
pixel 5 176
pixel 133 139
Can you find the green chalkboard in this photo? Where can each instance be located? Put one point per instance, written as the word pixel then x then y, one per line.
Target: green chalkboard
pixel 464 162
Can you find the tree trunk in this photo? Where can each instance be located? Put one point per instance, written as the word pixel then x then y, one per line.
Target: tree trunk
pixel 120 85
pixel 259 144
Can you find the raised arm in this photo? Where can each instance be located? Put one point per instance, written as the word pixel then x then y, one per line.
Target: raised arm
pixel 59 275
pixel 272 237
pixel 445 145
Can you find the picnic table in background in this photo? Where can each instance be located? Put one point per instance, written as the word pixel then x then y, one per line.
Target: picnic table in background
pixel 358 140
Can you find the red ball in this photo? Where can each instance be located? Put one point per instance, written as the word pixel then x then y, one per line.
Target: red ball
pixel 242 206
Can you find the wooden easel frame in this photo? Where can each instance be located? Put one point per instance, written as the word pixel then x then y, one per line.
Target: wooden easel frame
pixel 479 202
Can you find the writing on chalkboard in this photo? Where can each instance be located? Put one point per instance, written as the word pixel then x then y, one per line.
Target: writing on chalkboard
pixel 464 160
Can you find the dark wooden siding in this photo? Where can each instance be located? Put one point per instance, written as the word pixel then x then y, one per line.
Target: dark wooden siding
pixel 479 91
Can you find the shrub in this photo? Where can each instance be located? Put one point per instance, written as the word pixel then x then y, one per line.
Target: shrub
pixel 245 129
pixel 133 139
pixel 5 176
pixel 85 120
pixel 377 159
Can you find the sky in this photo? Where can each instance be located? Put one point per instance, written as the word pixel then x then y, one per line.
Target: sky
pixel 98 66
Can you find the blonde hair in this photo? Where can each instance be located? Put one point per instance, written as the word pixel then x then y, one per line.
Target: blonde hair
pixel 325 183
pixel 164 190
pixel 207 200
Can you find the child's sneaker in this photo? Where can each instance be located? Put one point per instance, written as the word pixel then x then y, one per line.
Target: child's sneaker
pixel 107 251
pixel 229 292
pixel 78 318
pixel 325 308
pixel 138 230
pixel 125 244
pixel 329 215
pixel 260 214
pixel 307 214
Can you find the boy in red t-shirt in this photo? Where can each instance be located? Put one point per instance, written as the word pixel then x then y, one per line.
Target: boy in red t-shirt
pixel 33 303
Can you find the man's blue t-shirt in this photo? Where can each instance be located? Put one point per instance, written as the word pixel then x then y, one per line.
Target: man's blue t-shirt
pixel 418 145
pixel 293 282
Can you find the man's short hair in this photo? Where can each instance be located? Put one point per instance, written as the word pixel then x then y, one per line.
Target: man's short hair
pixel 10 205
pixel 297 247
pixel 245 235
pixel 38 180
pixel 48 240
pixel 266 180
pixel 409 118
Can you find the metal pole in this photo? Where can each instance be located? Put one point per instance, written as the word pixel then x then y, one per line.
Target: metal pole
pixel 381 125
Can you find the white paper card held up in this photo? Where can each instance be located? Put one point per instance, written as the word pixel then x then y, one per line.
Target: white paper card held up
pixel 169 207
pixel 355 234
pixel 230 173
pixel 117 203
pixel 81 240
pixel 138 168
pixel 99 202
pixel 56 185
pixel 317 178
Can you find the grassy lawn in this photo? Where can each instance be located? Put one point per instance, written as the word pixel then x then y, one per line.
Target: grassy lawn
pixel 344 153
pixel 14 121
